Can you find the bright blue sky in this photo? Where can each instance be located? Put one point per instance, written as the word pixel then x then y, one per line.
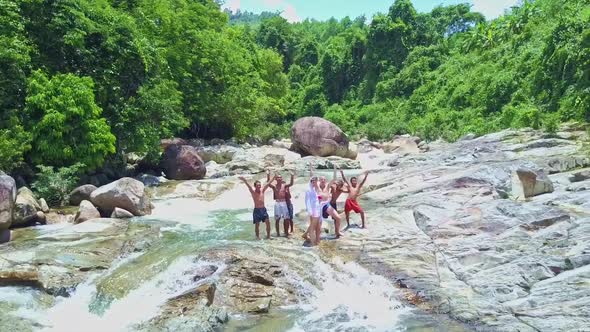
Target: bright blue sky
pixel 295 10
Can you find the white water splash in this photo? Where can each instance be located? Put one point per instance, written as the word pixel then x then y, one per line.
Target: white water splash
pixel 23 297
pixel 351 298
pixel 141 304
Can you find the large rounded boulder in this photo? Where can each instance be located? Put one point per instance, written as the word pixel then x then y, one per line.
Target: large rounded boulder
pixel 182 162
pixel 86 212
pixel 81 193
pixel 26 208
pixel 126 193
pixel 313 136
pixel 7 200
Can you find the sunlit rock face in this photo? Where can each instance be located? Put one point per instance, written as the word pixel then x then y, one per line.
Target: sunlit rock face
pixel 7 200
pixel 313 136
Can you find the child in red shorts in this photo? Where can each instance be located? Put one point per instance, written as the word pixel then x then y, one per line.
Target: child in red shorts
pixel 351 204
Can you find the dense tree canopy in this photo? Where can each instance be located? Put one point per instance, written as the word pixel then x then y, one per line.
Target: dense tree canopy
pixel 86 81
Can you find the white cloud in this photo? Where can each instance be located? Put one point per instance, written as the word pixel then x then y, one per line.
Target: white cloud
pixel 232 5
pixel 287 9
pixel 290 13
pixel 493 8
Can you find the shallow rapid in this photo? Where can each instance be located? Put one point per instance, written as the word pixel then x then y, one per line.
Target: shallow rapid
pixel 327 290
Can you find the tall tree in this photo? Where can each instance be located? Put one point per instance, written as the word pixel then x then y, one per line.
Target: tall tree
pixel 65 122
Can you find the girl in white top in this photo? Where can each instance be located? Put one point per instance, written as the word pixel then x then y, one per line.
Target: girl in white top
pixel 312 204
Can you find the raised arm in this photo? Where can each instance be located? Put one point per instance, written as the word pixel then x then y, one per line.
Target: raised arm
pixel 268 183
pixel 364 180
pixel 292 179
pixel 269 180
pixel 246 183
pixel 333 181
pixel 344 178
pixel 310 170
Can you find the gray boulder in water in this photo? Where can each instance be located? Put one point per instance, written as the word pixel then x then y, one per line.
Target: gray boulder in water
pixel 221 154
pixel 319 137
pixel 87 211
pixel 125 193
pixel 7 199
pixel 121 214
pixel 182 162
pixel 44 206
pixel 26 207
pixel 81 193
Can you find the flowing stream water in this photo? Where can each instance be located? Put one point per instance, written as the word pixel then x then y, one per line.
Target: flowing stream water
pixel 334 294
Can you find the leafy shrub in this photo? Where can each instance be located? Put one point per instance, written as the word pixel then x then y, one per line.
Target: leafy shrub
pixel 267 131
pixel 14 142
pixel 384 126
pixel 520 116
pixel 55 186
pixel 551 123
pixel 345 119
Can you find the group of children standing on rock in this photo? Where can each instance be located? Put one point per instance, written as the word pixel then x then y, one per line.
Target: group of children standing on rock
pixel 320 201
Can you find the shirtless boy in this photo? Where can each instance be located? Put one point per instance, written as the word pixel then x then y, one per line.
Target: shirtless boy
pixel 259 214
pixel 351 204
pixel 282 211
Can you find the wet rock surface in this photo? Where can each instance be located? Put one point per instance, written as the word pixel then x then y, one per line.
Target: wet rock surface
pixel 247 284
pixel 191 311
pixel 448 225
pixel 251 283
pixel 57 261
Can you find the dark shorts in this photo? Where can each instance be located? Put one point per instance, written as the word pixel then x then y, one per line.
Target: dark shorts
pixel 259 215
pixel 290 207
pixel 325 213
pixel 4 236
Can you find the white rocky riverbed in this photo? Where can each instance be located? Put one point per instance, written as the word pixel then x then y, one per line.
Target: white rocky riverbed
pixel 449 247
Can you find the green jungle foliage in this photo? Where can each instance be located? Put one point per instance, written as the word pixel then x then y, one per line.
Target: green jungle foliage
pixel 55 186
pixel 88 80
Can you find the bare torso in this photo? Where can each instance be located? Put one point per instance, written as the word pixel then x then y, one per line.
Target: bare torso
pixel 280 192
pixel 335 194
pixel 258 197
pixel 353 192
pixel 324 194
